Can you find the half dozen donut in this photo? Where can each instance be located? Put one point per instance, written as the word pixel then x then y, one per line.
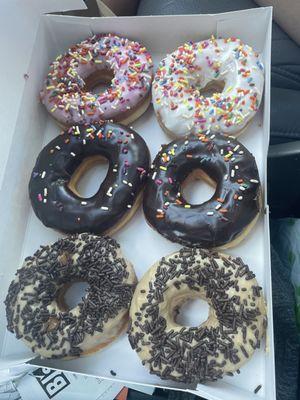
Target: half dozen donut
pixel 204 94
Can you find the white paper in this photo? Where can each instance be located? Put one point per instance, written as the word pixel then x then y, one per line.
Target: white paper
pixel 44 384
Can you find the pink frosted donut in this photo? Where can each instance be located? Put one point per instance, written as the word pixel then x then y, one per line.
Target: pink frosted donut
pixel 123 63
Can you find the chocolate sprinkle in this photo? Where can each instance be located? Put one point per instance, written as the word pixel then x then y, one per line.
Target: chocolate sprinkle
pixel 256 390
pixel 54 328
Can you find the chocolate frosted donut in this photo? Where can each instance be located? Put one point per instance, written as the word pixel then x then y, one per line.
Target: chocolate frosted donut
pixel 220 345
pixel 35 308
pixel 221 221
pixel 52 187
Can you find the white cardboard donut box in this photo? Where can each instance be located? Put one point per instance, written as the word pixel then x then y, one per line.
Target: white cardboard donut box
pixel 21 232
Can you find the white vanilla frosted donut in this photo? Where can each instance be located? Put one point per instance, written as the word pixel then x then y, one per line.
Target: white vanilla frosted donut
pixel 220 345
pixel 35 308
pixel 228 69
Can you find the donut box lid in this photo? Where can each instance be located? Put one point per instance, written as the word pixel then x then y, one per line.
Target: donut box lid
pixel 21 233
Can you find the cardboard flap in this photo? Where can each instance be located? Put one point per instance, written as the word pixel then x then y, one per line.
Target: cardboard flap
pixel 36 7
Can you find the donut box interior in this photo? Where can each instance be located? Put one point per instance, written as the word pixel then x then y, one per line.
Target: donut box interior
pixel 21 232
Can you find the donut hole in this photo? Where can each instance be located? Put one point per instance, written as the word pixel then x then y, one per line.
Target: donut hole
pixel 198 187
pixel 212 87
pixel 71 294
pixel 88 176
pixel 99 81
pixel 191 313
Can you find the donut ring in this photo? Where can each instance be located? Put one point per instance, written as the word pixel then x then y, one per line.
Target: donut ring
pixel 228 216
pixel 228 70
pixel 101 58
pixel 52 187
pixel 35 307
pixel 220 345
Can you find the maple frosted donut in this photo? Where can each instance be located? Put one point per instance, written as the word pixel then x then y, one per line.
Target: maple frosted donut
pixel 103 58
pixel 233 330
pixel 35 307
pixel 214 85
pixel 61 163
pixel 226 165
